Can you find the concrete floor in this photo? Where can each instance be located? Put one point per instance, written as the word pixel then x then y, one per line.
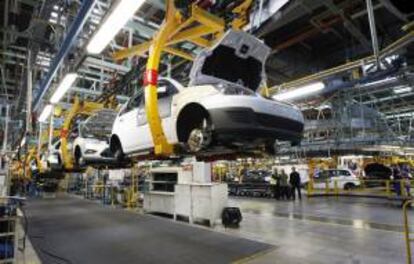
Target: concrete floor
pixel 73 230
pixel 324 230
pixel 319 230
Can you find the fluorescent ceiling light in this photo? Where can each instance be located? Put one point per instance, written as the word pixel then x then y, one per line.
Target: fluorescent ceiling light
pixel 299 92
pixel 120 15
pixel 23 142
pixel 45 113
pixel 402 89
pixel 63 87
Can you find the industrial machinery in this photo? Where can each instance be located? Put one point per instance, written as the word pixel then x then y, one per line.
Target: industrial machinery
pixel 186 192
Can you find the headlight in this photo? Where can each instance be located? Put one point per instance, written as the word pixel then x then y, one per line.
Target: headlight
pixel 234 90
pixel 90 151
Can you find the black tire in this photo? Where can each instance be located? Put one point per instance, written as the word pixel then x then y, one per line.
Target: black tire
pixel 78 156
pixel 349 186
pixel 119 153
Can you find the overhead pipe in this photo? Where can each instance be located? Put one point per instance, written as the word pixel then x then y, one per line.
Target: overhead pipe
pixel 373 29
pixel 67 44
pixel 29 94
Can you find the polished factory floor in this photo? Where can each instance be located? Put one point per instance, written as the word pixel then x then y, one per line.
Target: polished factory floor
pixel 324 230
pixel 73 230
pixel 317 230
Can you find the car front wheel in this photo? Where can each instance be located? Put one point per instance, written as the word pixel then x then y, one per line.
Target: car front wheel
pixel 349 186
pixel 118 153
pixel 200 137
pixel 79 161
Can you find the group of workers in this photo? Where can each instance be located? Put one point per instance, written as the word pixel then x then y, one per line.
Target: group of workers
pixel 284 186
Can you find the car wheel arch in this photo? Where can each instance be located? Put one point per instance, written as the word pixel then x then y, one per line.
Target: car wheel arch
pixel 77 150
pixel 113 142
pixel 190 112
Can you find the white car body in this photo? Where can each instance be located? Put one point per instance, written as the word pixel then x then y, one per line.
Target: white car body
pixel 345 179
pixel 238 118
pixel 91 146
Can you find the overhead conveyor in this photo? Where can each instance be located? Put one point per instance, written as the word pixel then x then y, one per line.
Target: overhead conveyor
pixel 200 28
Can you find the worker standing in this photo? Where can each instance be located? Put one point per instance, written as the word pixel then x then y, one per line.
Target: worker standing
pixel 396 173
pixel 275 181
pixel 294 181
pixel 284 185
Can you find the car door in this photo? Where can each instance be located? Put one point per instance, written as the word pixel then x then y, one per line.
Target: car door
pixel 320 179
pixel 344 178
pixel 128 121
pixel 166 91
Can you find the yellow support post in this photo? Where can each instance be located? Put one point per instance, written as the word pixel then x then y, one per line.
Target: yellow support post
pixel 327 186
pixel 407 232
pixel 161 146
pixel 387 188
pixel 336 189
pixel 402 188
pixel 310 188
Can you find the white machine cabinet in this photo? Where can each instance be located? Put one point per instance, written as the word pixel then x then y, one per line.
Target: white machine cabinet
pixel 186 191
pixel 199 201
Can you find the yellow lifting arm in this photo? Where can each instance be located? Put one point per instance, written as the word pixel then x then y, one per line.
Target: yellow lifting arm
pixel 207 24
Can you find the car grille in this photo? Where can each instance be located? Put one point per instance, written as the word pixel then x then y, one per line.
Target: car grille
pixel 278 122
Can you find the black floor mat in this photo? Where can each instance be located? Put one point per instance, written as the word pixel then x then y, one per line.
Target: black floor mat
pixel 72 230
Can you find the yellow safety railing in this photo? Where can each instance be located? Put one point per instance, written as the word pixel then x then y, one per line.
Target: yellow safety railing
pixel 130 194
pixel 407 232
pixel 374 188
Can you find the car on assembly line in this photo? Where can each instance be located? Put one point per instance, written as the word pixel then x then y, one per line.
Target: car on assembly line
pixel 91 146
pixel 219 112
pixel 345 178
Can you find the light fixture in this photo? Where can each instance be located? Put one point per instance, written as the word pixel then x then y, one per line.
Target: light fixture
pixel 63 87
pixel 120 15
pixel 23 142
pixel 402 89
pixel 45 113
pixel 299 92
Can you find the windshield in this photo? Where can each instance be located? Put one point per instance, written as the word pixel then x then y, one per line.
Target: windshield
pixel 98 126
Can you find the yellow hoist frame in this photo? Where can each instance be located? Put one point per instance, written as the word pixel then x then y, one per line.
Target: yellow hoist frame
pixel 176 29
pixel 21 169
pixel 78 108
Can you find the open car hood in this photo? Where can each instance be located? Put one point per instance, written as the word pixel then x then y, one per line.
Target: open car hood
pixel 238 58
pixel 100 123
